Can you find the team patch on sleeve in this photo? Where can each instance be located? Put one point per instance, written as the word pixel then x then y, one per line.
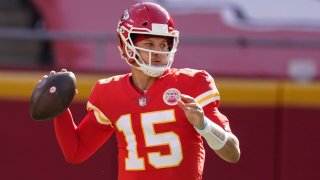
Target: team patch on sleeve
pixel 101 118
pixel 208 97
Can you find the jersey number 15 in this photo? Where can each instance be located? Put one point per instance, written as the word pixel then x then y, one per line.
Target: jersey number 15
pixel 152 138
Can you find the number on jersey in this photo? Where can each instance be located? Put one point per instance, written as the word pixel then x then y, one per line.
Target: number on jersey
pixel 152 138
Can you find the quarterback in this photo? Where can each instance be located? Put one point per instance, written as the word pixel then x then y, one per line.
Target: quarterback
pixel 161 116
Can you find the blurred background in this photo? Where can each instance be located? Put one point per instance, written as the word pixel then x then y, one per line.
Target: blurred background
pixel 264 56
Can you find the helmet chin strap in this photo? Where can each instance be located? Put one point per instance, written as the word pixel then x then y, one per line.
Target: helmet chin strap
pixel 147 70
pixel 146 67
pixel 154 73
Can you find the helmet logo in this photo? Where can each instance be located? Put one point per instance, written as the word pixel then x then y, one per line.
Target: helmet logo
pixel 125 15
pixel 171 96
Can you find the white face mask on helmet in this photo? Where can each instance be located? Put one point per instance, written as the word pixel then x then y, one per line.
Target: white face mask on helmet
pixel 147 19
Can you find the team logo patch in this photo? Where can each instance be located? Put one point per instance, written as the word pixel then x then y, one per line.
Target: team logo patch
pixel 125 15
pixel 171 96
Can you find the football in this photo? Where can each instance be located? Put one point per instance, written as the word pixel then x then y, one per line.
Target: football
pixel 52 96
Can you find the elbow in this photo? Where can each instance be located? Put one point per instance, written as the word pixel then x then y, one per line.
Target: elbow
pixel 234 159
pixel 231 158
pixel 236 153
pixel 231 152
pixel 73 159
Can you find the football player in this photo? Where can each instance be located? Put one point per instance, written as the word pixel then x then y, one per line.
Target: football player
pixel 160 115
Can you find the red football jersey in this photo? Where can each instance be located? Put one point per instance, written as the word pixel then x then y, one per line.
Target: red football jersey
pixel 155 139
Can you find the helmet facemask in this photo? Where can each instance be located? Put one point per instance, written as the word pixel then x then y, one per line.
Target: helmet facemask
pixel 131 53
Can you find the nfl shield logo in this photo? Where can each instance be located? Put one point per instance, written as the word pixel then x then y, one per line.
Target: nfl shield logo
pixel 142 101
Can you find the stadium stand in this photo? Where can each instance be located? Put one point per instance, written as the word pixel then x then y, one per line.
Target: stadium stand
pixel 84 39
pixel 18 52
pixel 206 41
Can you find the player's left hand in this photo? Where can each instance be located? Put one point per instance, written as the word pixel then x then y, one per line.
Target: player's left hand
pixel 192 110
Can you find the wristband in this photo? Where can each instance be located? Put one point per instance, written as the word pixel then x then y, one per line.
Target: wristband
pixel 215 135
pixel 203 127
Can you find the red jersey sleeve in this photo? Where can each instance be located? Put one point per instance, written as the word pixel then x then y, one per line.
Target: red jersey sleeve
pixel 78 143
pixel 207 95
pixel 95 105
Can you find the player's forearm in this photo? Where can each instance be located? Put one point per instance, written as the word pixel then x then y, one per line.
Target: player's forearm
pixel 66 134
pixel 79 143
pixel 224 143
pixel 230 151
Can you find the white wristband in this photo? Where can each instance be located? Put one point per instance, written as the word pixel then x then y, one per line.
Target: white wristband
pixel 215 135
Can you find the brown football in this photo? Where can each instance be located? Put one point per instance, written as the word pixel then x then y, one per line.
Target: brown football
pixel 52 96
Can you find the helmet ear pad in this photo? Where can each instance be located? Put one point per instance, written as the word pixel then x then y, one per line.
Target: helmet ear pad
pixel 129 54
pixel 129 59
pixel 123 52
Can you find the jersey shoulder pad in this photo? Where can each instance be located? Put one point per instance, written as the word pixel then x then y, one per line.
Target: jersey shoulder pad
pixel 206 91
pixel 187 72
pixel 106 85
pixel 112 79
pixel 194 74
